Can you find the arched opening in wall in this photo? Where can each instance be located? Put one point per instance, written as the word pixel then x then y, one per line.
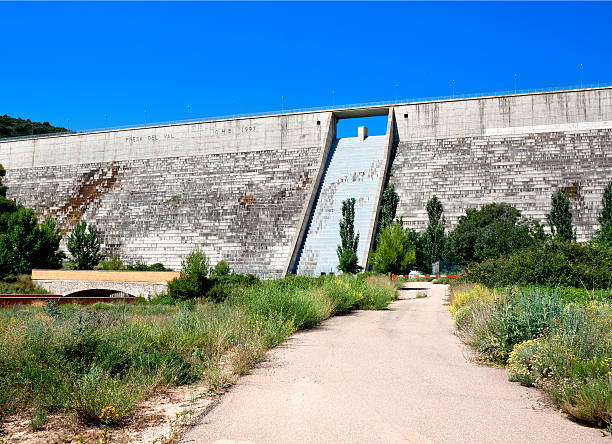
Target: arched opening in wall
pixel 348 126
pixel 98 293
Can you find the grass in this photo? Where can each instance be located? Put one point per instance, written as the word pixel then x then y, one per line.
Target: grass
pixel 85 359
pixel 21 284
pixel 557 339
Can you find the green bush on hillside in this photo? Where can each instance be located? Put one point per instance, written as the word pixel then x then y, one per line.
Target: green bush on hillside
pixel 11 127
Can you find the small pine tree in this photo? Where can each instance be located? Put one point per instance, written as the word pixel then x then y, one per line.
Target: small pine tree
pixel 560 218
pixel 388 207
pixel 84 246
pixel 222 268
pixel 193 281
pixel 394 251
pixel 347 250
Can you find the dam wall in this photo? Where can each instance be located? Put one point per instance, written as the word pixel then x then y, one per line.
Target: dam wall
pixel 238 189
pixel 245 189
pixel 517 149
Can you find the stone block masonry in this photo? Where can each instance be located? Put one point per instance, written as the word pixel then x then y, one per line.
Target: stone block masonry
pixel 242 189
pixel 135 283
pixel 241 202
pixel 520 170
pixel 514 149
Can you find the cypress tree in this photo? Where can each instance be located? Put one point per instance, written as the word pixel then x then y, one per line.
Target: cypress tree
pixel 560 218
pixel 347 250
pixel 388 207
pixel 604 234
pixel 433 238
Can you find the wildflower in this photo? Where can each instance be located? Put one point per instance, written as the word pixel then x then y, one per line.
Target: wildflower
pixel 108 414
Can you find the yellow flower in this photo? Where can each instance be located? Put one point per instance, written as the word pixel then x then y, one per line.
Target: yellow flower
pixel 108 414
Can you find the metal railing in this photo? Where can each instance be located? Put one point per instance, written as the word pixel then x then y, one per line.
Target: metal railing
pixel 324 108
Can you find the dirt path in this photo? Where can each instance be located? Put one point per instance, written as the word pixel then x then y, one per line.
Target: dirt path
pixel 383 377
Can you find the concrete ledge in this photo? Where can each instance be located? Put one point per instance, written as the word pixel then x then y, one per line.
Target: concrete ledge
pixel 104 276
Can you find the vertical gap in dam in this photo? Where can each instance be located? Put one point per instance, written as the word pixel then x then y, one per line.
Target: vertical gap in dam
pixel 355 165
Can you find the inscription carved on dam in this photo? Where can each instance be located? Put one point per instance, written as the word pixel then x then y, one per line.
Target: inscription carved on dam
pixel 244 189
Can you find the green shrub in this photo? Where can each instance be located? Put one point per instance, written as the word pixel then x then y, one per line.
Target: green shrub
pixel 525 362
pixel 113 263
pixel 552 264
pixel 394 252
pixel 97 389
pixel 492 231
pixel 560 218
pixel 21 284
pixel 564 349
pixel 502 319
pixel 573 362
pixel 84 246
pixel 222 286
pixel 193 281
pixel 464 317
pixel 222 268
pixel 25 244
pixel 304 309
pixel 378 291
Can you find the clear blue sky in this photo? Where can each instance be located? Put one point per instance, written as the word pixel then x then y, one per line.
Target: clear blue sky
pixel 104 64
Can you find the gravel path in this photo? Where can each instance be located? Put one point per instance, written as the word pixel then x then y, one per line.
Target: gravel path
pixel 392 376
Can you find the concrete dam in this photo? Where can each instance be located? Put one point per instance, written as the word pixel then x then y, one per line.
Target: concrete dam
pixel 264 193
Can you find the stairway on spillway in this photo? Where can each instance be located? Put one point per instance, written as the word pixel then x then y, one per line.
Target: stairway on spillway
pixel 353 170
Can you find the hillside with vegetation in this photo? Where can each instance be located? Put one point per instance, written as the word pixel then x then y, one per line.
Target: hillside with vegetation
pixel 12 127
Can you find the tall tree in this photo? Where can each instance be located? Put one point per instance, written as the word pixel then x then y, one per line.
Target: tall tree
pixel 388 207
pixel 84 246
pixel 434 238
pixel 604 234
pixel 25 244
pixel 560 218
pixel 347 250
pixel 7 206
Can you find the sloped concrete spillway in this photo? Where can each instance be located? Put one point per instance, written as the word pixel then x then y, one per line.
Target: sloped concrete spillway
pixel 354 170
